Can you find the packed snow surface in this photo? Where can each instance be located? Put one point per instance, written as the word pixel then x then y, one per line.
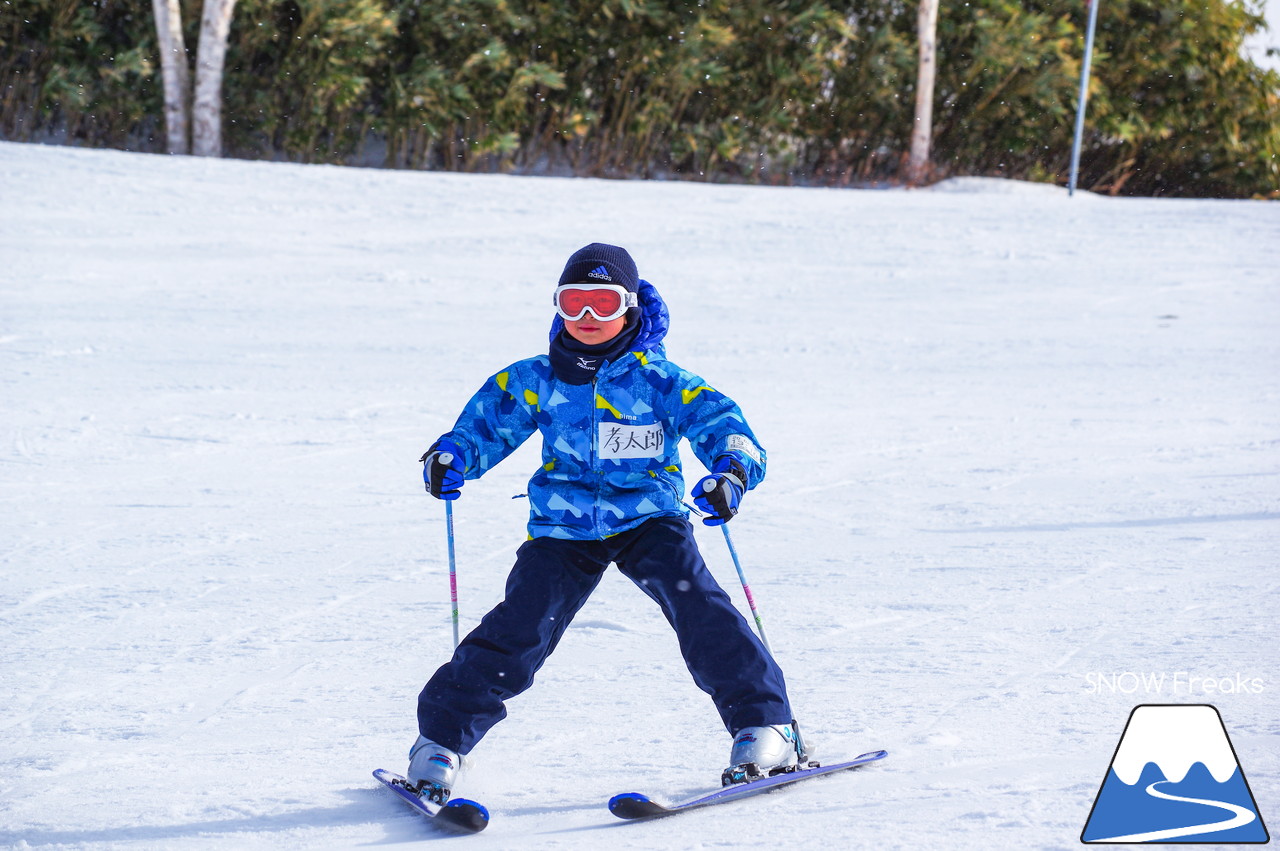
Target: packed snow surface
pixel 1024 475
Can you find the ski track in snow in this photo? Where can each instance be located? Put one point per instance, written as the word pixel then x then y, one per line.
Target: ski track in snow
pixel 1014 438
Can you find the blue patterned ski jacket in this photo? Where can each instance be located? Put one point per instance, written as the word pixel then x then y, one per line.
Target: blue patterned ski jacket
pixel 609 456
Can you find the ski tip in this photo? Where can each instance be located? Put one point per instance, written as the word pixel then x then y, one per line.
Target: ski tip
pixel 873 755
pixel 628 796
pixel 631 805
pixel 463 815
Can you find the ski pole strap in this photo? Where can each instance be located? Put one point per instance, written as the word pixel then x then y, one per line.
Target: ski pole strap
pixel 742 577
pixel 453 570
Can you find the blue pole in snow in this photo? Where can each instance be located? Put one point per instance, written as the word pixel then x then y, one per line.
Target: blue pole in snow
pixel 1084 94
pixel 801 749
pixel 453 570
pixel 724 527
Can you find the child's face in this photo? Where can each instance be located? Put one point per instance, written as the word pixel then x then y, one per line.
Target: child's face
pixel 594 331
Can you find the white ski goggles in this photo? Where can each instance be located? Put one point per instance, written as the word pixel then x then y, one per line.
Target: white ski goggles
pixel 605 301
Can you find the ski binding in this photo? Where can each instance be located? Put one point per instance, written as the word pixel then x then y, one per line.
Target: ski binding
pixel 635 805
pixel 457 815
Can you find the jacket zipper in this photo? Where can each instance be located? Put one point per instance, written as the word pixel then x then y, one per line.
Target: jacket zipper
pixel 595 457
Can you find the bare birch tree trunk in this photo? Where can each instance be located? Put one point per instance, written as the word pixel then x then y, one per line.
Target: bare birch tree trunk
pixel 215 26
pixel 176 75
pixel 922 132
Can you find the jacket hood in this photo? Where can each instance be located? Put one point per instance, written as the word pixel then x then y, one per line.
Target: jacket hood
pixel 654 320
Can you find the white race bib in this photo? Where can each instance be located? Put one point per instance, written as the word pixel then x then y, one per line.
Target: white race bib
pixel 619 440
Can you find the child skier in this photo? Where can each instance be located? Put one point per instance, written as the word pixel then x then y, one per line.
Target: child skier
pixel 610 408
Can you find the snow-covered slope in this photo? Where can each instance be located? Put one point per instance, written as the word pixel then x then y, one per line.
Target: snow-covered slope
pixel 1016 440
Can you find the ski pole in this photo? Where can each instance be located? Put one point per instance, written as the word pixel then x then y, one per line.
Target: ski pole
pixel 724 527
pixel 453 569
pixel 801 748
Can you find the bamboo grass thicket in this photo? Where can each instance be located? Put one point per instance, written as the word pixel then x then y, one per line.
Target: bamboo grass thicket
pixel 778 92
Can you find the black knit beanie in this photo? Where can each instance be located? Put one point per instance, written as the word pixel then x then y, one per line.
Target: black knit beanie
pixel 601 263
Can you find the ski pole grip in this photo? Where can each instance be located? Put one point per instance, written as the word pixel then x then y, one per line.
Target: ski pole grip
pixel 446 458
pixel 709 485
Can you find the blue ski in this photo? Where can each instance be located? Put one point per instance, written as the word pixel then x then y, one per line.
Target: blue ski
pixel 458 816
pixel 634 805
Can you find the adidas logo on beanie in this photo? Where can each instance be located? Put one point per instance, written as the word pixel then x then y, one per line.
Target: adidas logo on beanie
pixel 604 263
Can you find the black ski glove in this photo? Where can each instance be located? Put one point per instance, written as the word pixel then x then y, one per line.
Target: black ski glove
pixel 442 470
pixel 719 494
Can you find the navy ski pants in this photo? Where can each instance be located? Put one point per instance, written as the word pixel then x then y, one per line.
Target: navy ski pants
pixel 550 582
